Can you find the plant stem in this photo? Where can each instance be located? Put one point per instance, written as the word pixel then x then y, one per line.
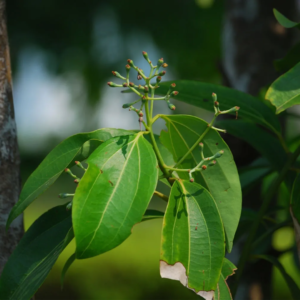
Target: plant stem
pixel 161 195
pixel 266 202
pixel 197 142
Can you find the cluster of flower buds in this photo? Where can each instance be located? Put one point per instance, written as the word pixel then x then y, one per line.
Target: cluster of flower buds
pixel 221 112
pixel 147 90
pixel 205 162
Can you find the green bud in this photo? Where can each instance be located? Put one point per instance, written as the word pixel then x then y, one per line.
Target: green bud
pixel 145 54
pixel 175 93
pixel 219 154
pixel 78 163
pixel 125 84
pixel 111 84
pixel 160 62
pixel 214 97
pixel 127 67
pixel 158 79
pixel 162 73
pixel 69 206
pixel 212 163
pixel 130 62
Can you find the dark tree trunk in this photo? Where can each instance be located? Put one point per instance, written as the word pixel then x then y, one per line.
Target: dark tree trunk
pixel 9 155
pixel 252 40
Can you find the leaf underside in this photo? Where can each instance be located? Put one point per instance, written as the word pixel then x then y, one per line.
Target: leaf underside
pixel 36 253
pixel 192 247
pixel 285 90
pixel 113 194
pixel 221 180
pixel 76 147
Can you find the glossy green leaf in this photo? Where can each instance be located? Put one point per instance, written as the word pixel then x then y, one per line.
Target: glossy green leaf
pixel 192 247
pixel 264 142
pixel 199 94
pixel 284 21
pixel 36 253
pixel 151 214
pixel 294 289
pixel 290 60
pixel 222 180
pixel 113 194
pixel 66 267
pixel 285 90
pixel 62 156
pixel 223 292
pixel 295 210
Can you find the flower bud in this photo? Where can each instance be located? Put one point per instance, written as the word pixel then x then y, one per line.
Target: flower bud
pixel 175 93
pixel 77 180
pixel 201 145
pixel 214 96
pixel 160 62
pixel 111 84
pixel 204 167
pixel 212 163
pixel 146 89
pixel 130 62
pixel 139 77
pixel 219 154
pixel 164 65
pixel 127 67
pixel 69 206
pixel 131 84
pixel 158 79
pixel 192 180
pixel 145 54
pixel 171 106
pixel 141 114
pixel 173 85
pixel 125 84
pixel 162 73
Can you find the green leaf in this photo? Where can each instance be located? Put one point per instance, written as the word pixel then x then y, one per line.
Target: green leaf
pixel 285 90
pixel 223 292
pixel 61 157
pixel 222 180
pixel 151 214
pixel 199 94
pixel 66 267
pixel 261 140
pixel 294 289
pixel 290 60
pixel 284 21
pixel 36 253
pixel 113 194
pixel 192 247
pixel 295 210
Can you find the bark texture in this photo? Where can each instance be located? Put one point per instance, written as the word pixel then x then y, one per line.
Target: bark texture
pixel 252 40
pixel 9 155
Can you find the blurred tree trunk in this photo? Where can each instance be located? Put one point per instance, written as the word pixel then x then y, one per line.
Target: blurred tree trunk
pixel 9 155
pixel 252 39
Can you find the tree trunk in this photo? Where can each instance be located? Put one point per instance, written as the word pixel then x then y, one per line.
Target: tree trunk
pixel 252 40
pixel 9 155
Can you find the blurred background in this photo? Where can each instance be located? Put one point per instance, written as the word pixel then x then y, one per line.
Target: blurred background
pixel 62 56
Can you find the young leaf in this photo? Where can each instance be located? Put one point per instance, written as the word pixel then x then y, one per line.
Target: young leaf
pixel 284 21
pixel 294 289
pixel 36 253
pixel 66 267
pixel 113 194
pixel 222 180
pixel 192 247
pixel 295 210
pixel 285 90
pixel 223 292
pixel 199 94
pixel 261 140
pixel 61 157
